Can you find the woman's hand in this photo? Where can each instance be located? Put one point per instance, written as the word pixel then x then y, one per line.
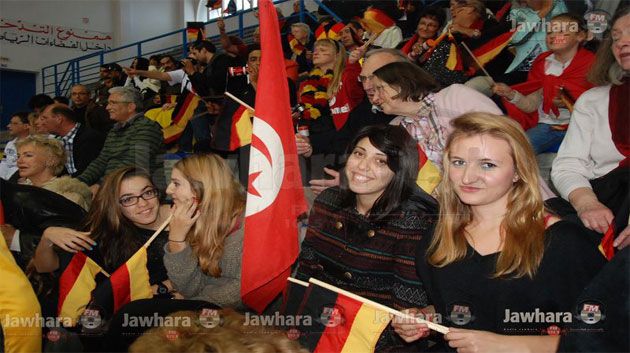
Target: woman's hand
pixel 503 90
pixel 303 144
pixel 466 341
pixel 68 239
pixel 184 216
pixel 408 329
pixel 319 185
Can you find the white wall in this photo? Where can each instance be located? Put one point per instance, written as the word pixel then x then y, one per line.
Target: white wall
pixel 128 20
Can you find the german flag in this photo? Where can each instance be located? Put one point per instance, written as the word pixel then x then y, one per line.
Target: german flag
pixel 231 7
pixel 195 31
pixel 330 30
pixel 429 175
pixel 340 323
pixel 76 284
pixel 606 245
pixel 376 21
pixel 183 112
pixel 489 50
pixel 233 128
pixel 128 283
pixel 293 296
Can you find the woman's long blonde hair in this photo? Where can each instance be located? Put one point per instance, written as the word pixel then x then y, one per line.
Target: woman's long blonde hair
pixel 221 204
pixel 340 63
pixel 523 225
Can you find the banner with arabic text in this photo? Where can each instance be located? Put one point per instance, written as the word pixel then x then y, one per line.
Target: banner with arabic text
pixel 32 34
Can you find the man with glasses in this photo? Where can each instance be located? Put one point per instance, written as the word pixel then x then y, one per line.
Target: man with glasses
pixel 133 141
pixel 88 112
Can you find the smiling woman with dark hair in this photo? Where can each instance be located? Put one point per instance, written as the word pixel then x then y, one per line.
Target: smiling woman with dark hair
pixel 363 235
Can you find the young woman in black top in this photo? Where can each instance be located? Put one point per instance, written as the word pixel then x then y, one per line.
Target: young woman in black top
pixel 502 272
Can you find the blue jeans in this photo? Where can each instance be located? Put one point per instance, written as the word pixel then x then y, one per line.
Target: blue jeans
pixel 545 139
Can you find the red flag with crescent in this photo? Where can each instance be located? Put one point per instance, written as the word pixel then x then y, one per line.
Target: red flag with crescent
pixel 275 197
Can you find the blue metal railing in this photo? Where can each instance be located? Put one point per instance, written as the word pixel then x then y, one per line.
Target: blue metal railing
pixel 57 79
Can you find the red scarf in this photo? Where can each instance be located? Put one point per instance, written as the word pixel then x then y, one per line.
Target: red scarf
pixel 572 80
pixel 619 118
pixel 407 47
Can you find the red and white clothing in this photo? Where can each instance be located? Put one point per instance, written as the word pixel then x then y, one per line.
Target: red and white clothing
pixel 349 95
pixel 587 151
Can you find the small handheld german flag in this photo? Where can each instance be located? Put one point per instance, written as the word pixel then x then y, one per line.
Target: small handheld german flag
pixel 606 245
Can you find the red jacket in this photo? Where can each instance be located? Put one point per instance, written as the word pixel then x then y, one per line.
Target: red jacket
pixel 349 95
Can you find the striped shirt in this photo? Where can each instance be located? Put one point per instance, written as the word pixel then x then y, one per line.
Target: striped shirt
pixel 68 145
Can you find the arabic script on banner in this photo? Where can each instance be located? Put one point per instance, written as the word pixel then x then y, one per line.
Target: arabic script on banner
pixel 25 33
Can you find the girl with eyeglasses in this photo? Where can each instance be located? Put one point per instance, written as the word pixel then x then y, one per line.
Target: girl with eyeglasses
pixel 124 214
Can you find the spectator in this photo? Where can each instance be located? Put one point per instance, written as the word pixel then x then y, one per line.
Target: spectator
pixel 557 78
pixel 41 162
pixel 298 46
pixel 147 86
pixel 351 36
pixel 378 209
pixel 591 169
pixel 431 20
pixel 38 102
pixel 404 89
pixel 203 257
pixel 81 143
pixel 503 253
pixel 88 112
pixel 449 62
pixel 133 141
pixel 19 128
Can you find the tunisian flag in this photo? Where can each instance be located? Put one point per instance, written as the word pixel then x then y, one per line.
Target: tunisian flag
pixel 275 196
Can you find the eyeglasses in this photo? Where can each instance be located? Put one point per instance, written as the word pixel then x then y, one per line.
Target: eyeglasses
pixel 127 201
pixel 365 78
pixel 117 102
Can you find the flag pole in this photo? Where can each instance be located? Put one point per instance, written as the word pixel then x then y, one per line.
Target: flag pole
pixel 478 63
pixel 433 326
pixel 239 101
pixel 158 231
pixel 295 280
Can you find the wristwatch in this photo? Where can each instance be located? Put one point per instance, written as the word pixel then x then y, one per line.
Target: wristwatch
pixel 476 33
pixel 162 289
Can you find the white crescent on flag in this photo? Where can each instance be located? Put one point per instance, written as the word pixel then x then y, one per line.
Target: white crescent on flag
pixel 266 168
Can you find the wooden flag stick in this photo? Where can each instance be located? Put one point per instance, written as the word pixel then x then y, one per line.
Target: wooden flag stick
pixel 372 39
pixel 239 101
pixel 478 63
pixel 432 325
pixel 294 280
pixel 158 231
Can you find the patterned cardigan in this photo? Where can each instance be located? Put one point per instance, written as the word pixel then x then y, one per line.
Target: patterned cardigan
pixel 374 259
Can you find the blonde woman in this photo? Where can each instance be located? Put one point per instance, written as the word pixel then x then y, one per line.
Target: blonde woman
pixel 497 257
pixel 40 163
pixel 328 95
pixel 203 254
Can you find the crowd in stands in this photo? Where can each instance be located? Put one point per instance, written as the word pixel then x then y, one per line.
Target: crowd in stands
pixel 417 129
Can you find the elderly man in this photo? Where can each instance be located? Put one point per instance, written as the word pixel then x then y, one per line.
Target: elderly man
pixel 82 143
pixel 87 112
pixel 133 141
